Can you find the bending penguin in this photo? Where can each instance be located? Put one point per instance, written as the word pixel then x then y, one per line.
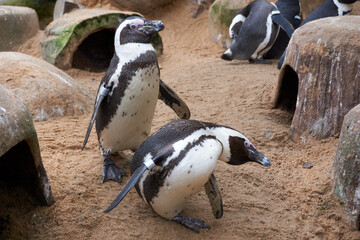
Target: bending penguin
pixel 254 30
pixel 178 160
pixel 330 8
pixel 127 95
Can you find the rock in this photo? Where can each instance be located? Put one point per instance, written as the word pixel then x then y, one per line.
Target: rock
pixel 43 8
pixel 84 39
pixel 307 6
pixel 17 24
pixel 347 166
pixel 320 77
pixel 141 6
pixel 221 14
pixel 20 159
pixel 65 6
pixel 47 91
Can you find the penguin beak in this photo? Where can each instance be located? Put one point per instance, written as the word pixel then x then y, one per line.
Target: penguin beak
pixel 227 55
pixel 258 157
pixel 151 27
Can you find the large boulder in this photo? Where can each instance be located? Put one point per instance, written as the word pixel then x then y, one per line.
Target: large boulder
pixel 347 166
pixel 20 159
pixel 17 24
pixel 47 91
pixel 84 39
pixel 141 6
pixel 65 6
pixel 221 14
pixel 320 79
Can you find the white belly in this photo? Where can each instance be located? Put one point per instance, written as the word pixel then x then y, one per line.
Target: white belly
pixel 187 178
pixel 132 122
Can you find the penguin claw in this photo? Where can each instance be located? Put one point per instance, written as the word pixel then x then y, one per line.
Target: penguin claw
pixel 111 172
pixel 194 224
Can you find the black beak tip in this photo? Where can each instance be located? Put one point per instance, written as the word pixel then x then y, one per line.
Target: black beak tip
pixel 225 57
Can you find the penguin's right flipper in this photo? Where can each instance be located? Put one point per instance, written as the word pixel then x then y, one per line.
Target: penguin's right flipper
pixel 102 93
pixel 214 195
pixel 280 20
pixel 171 99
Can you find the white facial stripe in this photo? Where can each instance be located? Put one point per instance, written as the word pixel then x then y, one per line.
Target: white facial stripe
pixel 237 18
pixel 343 8
pixel 266 40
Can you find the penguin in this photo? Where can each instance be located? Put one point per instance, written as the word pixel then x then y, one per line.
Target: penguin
pixel 291 10
pixel 178 160
pixel 128 92
pixel 254 30
pixel 330 8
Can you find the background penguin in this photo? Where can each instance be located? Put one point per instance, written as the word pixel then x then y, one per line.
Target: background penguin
pixel 329 8
pixel 127 95
pixel 254 30
pixel 178 160
pixel 291 10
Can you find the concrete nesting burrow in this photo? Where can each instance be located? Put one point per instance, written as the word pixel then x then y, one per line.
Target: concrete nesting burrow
pixel 84 39
pixel 319 81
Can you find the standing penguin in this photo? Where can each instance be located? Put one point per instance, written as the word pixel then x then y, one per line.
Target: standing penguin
pixel 330 8
pixel 178 160
pixel 254 30
pixel 127 95
pixel 291 10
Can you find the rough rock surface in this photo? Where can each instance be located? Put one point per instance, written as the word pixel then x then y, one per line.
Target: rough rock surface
pixel 347 166
pixel 320 77
pixel 17 24
pixel 221 14
pixel 20 159
pixel 65 35
pixel 65 6
pixel 141 6
pixel 47 91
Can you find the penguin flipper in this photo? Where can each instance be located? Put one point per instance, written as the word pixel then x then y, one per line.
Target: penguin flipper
pixel 214 195
pixel 102 93
pixel 283 23
pixel 171 99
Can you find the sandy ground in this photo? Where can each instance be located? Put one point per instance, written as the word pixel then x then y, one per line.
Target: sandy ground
pixel 285 201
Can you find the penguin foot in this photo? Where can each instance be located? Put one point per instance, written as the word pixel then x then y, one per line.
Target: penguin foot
pixel 261 61
pixel 193 223
pixel 110 171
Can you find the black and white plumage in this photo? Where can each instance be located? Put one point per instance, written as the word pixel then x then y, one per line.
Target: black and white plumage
pixel 254 30
pixel 179 159
pixel 127 95
pixel 330 8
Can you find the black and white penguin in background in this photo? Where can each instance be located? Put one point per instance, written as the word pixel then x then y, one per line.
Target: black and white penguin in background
pixel 178 160
pixel 127 95
pixel 291 10
pixel 330 8
pixel 254 30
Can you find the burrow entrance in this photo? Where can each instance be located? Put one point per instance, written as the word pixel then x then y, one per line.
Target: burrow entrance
pixel 95 52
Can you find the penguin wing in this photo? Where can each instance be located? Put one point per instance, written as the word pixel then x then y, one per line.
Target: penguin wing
pixel 171 99
pixel 282 22
pixel 213 193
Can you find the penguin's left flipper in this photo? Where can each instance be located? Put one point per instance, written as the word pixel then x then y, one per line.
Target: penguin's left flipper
pixel 193 223
pixel 214 195
pixel 280 20
pixel 171 99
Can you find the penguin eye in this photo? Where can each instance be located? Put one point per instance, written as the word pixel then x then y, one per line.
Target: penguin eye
pixel 132 26
pixel 231 33
pixel 247 144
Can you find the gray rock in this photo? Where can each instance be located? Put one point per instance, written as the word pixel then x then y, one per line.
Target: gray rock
pixel 66 6
pixel 17 24
pixel 47 91
pixel 347 166
pixel 141 6
pixel 84 39
pixel 319 80
pixel 20 159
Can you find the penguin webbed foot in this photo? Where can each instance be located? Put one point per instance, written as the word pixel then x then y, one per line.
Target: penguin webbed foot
pixel 194 224
pixel 110 171
pixel 259 61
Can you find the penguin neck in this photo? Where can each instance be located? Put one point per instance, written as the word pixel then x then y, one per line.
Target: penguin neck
pixel 130 51
pixel 223 135
pixel 343 8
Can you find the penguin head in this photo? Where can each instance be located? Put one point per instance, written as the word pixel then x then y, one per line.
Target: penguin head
pixel 136 29
pixel 243 151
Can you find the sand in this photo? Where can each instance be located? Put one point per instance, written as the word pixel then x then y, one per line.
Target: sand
pixel 284 201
